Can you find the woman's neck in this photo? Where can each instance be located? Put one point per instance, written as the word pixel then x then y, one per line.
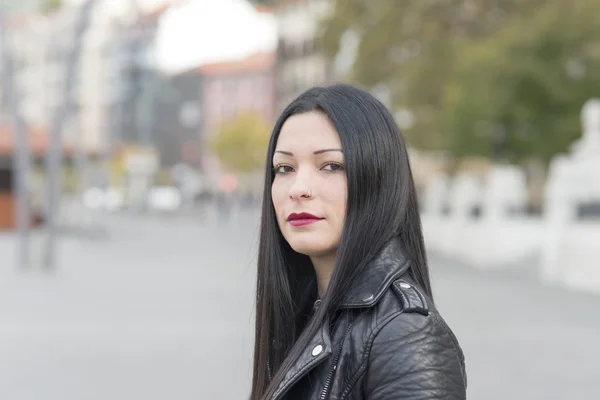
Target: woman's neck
pixel 323 269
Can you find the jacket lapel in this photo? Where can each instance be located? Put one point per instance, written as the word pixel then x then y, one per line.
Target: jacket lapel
pixel 317 351
pixel 388 265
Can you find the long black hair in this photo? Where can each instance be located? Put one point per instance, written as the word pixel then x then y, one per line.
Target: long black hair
pixel 381 205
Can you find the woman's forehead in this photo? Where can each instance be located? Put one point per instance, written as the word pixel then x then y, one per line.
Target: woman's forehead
pixel 308 131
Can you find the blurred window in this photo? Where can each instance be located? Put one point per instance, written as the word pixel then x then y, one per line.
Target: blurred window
pixel 308 47
pixel 5 180
pixel 281 49
pixel 588 211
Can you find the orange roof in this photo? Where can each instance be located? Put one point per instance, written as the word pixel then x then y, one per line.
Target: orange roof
pixel 37 138
pixel 263 9
pixel 152 16
pixel 256 62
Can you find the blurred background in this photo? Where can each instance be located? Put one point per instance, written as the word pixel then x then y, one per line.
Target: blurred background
pixel 132 142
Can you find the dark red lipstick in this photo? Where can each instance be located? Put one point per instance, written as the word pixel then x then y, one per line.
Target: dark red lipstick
pixel 302 219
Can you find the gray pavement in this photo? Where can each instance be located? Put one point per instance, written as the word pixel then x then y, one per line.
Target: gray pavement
pixel 162 309
pixel 521 340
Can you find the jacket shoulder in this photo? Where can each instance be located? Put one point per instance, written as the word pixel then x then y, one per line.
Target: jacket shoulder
pixel 414 305
pixel 415 356
pixel 415 320
pixel 412 298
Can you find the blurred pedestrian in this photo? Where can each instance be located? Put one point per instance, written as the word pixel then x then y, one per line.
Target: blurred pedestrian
pixel 344 302
pixel 224 206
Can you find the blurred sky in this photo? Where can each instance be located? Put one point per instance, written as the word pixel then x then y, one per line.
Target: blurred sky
pixel 15 5
pixel 197 32
pixel 194 32
pixel 25 5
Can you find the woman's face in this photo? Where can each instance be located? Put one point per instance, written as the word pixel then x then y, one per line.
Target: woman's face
pixel 310 178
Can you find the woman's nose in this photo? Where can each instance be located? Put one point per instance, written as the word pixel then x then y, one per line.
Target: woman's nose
pixel 300 189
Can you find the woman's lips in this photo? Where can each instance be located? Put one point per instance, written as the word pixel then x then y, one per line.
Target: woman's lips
pixel 304 221
pixel 303 218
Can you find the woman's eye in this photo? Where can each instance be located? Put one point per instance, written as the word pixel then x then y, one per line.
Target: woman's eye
pixel 283 169
pixel 333 167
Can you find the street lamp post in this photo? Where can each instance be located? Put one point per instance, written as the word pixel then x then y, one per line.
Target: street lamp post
pixel 54 156
pixel 21 159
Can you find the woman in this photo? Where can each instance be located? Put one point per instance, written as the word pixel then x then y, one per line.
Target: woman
pixel 344 302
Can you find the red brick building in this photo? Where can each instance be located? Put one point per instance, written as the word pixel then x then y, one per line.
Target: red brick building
pixel 229 88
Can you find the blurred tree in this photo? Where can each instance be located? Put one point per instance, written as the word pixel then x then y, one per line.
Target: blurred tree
pixel 241 143
pixel 452 63
pixel 51 5
pixel 519 92
pixel 409 48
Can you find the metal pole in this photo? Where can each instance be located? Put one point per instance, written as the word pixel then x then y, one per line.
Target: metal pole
pixel 21 159
pixel 54 156
pixel 140 85
pixel 80 158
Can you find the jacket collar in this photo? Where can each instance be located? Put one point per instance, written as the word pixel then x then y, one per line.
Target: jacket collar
pixel 388 265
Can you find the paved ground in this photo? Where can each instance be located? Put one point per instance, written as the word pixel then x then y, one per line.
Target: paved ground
pixel 161 309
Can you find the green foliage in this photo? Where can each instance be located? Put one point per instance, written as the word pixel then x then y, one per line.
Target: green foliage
pixel 51 5
pixel 241 143
pixel 479 76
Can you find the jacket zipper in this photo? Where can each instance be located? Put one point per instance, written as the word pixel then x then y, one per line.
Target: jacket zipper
pixel 269 371
pixel 336 358
pixel 316 306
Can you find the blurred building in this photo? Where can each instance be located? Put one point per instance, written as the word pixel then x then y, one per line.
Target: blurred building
pixel 122 96
pixel 211 73
pixel 233 87
pixel 178 118
pixel 40 45
pixel 135 105
pixel 299 64
pixel 98 79
pixel 224 89
pixel 38 138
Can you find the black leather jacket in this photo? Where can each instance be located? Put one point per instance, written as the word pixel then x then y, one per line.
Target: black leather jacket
pixel 388 342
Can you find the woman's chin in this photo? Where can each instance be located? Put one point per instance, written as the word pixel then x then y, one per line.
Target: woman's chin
pixel 310 248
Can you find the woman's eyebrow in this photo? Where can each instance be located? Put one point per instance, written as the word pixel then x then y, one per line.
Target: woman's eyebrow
pixel 289 153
